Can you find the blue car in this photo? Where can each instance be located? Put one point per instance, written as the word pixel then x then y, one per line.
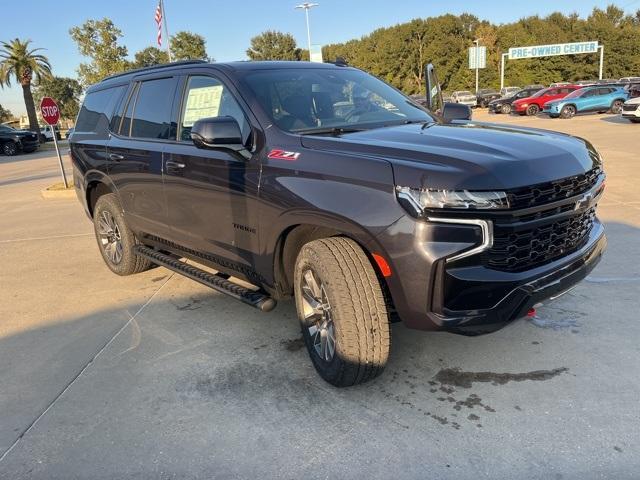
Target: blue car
pixel 588 99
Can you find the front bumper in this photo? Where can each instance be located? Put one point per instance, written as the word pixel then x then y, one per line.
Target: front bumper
pixel 631 113
pixel 443 280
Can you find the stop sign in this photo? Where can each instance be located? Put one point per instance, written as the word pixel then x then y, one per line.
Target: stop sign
pixel 49 110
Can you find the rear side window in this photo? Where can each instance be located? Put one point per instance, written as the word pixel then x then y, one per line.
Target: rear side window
pixel 97 108
pixel 152 109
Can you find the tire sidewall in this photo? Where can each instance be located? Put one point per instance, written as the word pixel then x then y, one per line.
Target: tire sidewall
pixel 110 203
pixel 10 149
pixel 506 109
pixel 309 259
pixel 567 112
pixel 532 110
pixel 616 107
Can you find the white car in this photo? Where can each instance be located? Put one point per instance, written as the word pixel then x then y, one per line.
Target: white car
pixel 46 133
pixel 508 91
pixel 464 97
pixel 631 110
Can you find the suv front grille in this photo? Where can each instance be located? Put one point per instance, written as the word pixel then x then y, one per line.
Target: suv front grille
pixel 630 108
pixel 535 195
pixel 517 249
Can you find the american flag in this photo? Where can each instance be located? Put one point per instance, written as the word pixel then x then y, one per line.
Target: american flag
pixel 159 22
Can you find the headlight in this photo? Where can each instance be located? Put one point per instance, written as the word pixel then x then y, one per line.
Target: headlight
pixel 418 200
pixel 525 105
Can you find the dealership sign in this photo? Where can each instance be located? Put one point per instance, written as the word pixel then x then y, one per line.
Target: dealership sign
pixel 550 50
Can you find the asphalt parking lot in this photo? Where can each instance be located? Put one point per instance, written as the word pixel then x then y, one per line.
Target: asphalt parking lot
pixel 155 376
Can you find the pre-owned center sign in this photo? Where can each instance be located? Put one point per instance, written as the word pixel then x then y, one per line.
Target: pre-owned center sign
pixel 551 50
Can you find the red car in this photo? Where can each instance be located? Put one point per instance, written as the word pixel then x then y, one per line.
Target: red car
pixel 533 104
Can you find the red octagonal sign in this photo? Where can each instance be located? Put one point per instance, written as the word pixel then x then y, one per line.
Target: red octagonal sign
pixel 49 110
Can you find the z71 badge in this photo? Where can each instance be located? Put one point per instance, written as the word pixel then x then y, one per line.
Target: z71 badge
pixel 278 154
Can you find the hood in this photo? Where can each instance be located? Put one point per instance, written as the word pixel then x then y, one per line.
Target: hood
pixel 500 101
pixel 633 101
pixel 466 155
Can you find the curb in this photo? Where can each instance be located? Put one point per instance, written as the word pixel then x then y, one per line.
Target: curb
pixel 56 194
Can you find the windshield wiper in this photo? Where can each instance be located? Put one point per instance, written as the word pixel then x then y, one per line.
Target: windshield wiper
pixel 335 131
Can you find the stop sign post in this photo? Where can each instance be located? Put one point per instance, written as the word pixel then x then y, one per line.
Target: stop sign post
pixel 51 115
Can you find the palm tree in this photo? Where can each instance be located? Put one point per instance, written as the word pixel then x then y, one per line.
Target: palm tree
pixel 17 60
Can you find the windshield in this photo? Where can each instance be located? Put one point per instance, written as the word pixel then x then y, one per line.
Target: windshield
pixel 577 93
pixel 540 93
pixel 6 129
pixel 300 100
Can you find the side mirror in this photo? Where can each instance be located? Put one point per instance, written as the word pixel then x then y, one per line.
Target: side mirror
pixel 219 132
pixel 456 111
pixel 434 92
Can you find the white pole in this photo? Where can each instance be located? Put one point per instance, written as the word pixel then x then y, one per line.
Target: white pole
pixel 306 13
pixel 477 42
pixel 504 55
pixel 601 47
pixel 166 29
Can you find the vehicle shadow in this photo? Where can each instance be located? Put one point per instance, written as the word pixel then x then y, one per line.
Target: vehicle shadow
pixel 208 380
pixel 616 119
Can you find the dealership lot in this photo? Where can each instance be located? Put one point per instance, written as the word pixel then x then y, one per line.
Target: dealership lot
pixel 156 376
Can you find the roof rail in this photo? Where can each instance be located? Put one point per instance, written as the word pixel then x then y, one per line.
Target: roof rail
pixel 154 67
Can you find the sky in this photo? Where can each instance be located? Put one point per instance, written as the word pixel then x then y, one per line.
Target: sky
pixel 229 25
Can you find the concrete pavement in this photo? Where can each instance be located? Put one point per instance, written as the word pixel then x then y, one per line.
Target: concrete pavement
pixel 156 376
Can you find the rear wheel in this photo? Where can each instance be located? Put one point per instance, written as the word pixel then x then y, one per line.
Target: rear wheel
pixel 342 311
pixel 10 149
pixel 568 111
pixel 616 107
pixel 506 108
pixel 115 240
pixel 532 110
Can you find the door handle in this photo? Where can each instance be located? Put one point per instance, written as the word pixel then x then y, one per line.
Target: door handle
pixel 115 157
pixel 174 165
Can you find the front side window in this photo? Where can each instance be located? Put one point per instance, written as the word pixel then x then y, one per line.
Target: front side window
pixel 301 100
pixel 152 109
pixel 208 97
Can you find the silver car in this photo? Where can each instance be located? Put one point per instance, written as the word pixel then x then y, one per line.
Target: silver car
pixel 464 97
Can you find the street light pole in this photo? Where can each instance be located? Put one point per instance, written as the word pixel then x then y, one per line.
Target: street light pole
pixel 306 6
pixel 477 42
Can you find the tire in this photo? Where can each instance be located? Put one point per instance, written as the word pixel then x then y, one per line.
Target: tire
pixel 10 149
pixel 338 296
pixel 568 111
pixel 506 109
pixel 634 120
pixel 616 107
pixel 532 110
pixel 115 240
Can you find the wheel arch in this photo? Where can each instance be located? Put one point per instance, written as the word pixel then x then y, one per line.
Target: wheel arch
pixel 96 185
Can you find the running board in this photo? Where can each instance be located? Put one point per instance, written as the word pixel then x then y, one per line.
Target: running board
pixel 218 282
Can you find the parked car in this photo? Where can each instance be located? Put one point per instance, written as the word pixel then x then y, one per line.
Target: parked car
pixel 559 84
pixel 588 99
pixel 68 134
pixel 503 105
pixel 464 97
pixel 376 213
pixel 631 110
pixel 14 141
pixel 509 91
pixel 485 95
pixel 629 80
pixel 533 104
pixel 533 87
pixel 46 133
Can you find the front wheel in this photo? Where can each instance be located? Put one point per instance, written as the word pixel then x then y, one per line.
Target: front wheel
pixel 506 108
pixel 10 149
pixel 533 110
pixel 616 107
pixel 342 311
pixel 634 120
pixel 115 240
pixel 568 111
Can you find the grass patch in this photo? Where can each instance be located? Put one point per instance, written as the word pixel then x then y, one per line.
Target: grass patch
pixel 60 186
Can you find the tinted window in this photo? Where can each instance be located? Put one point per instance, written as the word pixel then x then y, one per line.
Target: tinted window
pixel 207 97
pixel 152 110
pixel 97 108
pixel 125 128
pixel 604 91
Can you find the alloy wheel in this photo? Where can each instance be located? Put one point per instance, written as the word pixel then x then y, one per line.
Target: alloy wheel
pixel 110 238
pixel 317 316
pixel 616 107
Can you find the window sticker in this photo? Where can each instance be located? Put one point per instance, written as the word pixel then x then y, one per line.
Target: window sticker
pixel 201 103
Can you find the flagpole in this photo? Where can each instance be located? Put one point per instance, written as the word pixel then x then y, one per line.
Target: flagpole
pixel 166 29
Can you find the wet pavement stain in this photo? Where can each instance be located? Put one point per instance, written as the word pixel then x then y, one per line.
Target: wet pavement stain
pixel 617 449
pixel 548 323
pixel 459 378
pixel 157 279
pixel 294 344
pixel 192 305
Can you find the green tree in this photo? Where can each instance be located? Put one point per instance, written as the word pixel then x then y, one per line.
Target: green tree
pixel 188 46
pixel 65 91
pixel 24 64
pixel 273 45
pixel 150 56
pixel 98 40
pixel 5 114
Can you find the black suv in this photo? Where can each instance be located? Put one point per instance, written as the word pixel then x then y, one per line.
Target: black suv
pixel 503 105
pixel 323 183
pixel 14 141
